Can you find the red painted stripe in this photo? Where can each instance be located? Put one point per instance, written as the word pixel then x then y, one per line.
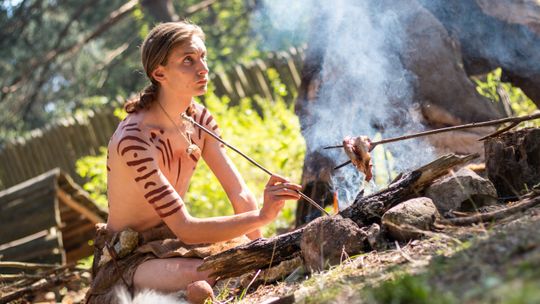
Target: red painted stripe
pixel 162 155
pixel 139 161
pixel 170 147
pixel 162 195
pixel 129 148
pixel 167 204
pixel 179 170
pixel 156 191
pixel 129 125
pixel 193 157
pixel 209 119
pixel 169 213
pixel 148 184
pixel 166 153
pixel 130 137
pixel 146 176
pixel 215 127
pixel 201 121
pixel 141 169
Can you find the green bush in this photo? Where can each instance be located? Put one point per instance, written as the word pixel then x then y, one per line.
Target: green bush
pixel 271 136
pixel 519 102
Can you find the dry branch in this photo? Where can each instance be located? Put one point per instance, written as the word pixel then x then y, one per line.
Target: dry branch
pixel 365 210
pixel 529 201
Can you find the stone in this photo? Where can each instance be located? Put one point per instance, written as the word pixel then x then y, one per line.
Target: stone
pixel 402 221
pixel 327 241
pixel 462 190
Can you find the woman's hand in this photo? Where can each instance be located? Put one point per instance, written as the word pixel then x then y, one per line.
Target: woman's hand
pixel 276 192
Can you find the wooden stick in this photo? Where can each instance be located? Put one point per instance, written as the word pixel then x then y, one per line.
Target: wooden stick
pixel 307 198
pixel 530 201
pixel 515 120
pixel 26 265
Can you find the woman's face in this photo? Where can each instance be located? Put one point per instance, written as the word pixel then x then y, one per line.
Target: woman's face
pixel 186 71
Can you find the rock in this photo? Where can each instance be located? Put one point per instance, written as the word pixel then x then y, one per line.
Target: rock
pixel 418 213
pixel 462 190
pixel 374 236
pixel 199 292
pixel 326 241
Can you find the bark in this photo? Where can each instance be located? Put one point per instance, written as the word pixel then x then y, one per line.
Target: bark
pixel 263 253
pixel 513 161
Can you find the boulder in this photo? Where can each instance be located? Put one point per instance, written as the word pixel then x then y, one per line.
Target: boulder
pixel 403 221
pixel 462 190
pixel 327 241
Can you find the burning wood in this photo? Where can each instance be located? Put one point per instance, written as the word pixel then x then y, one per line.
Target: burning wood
pixel 357 149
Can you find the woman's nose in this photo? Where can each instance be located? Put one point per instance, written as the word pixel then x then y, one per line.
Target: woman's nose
pixel 203 69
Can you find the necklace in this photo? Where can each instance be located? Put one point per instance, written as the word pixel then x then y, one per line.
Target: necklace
pixel 192 148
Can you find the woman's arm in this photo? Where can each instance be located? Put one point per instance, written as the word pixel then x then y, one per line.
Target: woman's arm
pixel 214 154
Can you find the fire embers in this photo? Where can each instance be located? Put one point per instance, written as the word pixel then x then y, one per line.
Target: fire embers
pixel 357 149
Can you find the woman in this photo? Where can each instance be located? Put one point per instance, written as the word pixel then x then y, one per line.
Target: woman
pixel 152 156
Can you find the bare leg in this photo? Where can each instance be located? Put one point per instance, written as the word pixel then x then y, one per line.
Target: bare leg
pixel 169 275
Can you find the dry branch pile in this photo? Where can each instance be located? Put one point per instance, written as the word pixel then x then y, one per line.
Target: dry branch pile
pixel 29 280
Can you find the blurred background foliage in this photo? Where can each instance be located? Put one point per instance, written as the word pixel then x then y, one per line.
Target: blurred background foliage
pixel 58 57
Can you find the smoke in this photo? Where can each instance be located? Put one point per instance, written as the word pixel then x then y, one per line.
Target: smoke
pixel 364 86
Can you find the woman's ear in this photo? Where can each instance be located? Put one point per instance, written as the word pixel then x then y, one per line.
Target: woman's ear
pixel 158 74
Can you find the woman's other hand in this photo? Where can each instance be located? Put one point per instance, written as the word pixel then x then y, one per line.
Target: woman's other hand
pixel 276 192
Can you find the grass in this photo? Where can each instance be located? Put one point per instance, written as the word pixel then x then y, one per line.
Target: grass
pixel 496 264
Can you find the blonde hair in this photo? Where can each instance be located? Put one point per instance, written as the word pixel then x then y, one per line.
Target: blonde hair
pixel 155 51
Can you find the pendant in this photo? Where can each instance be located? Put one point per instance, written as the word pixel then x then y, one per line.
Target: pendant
pixel 194 150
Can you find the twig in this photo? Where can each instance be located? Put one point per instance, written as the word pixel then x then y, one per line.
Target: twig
pixel 526 203
pixel 515 120
pixel 26 265
pixel 307 198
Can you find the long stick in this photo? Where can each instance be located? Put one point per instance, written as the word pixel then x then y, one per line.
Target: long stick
pixel 514 120
pixel 307 198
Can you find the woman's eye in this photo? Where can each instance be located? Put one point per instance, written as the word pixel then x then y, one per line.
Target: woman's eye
pixel 188 60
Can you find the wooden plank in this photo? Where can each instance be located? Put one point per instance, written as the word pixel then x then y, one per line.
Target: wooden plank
pixel 16 172
pixel 7 167
pixel 76 231
pixel 259 69
pixel 25 216
pixel 236 85
pixel 44 249
pixel 22 160
pixel 101 137
pixel 68 200
pixel 76 254
pixel 57 145
pixel 46 180
pixel 241 80
pixel 43 141
pixel 36 162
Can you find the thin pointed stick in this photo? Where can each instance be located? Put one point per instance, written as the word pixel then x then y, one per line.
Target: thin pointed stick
pixel 514 120
pixel 307 198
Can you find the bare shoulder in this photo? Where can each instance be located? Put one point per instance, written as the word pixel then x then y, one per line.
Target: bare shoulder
pixel 205 118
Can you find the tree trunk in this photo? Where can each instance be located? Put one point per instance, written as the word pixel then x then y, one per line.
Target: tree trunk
pixel 513 162
pixel 263 253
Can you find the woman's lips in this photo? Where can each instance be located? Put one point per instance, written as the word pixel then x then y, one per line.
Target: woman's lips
pixel 202 81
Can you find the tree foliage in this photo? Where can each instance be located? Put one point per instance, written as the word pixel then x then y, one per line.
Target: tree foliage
pixel 57 56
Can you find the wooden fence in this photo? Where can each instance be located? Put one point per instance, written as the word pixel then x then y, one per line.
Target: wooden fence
pixel 62 143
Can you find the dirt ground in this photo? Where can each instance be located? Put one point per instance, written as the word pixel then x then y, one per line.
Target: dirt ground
pixel 486 263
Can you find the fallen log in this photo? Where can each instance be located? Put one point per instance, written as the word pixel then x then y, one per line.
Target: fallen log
pixel 263 253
